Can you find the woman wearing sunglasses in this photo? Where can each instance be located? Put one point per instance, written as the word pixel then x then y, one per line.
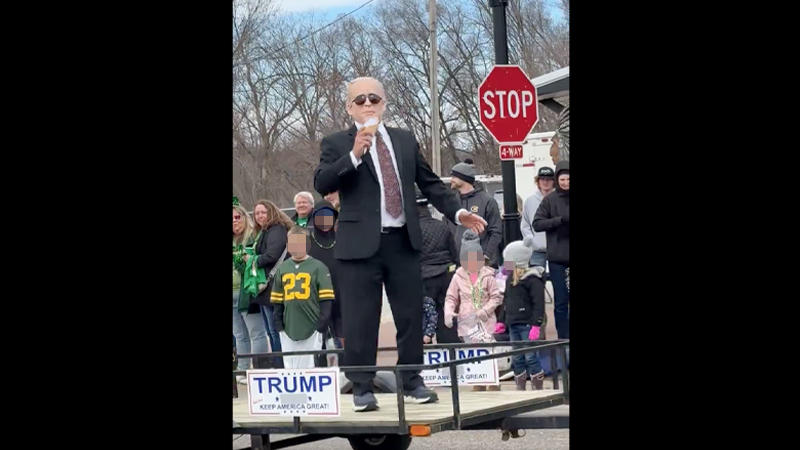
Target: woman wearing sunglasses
pixel 248 325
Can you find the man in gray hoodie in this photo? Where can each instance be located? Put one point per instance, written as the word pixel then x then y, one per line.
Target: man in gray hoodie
pixel 544 185
pixel 478 201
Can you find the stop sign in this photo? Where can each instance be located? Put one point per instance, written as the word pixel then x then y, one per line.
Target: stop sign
pixel 508 106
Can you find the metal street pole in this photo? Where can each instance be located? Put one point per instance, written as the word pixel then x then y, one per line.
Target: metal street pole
pixel 511 219
pixel 433 69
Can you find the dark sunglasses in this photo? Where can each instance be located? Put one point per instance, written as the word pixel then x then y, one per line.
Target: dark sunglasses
pixel 237 218
pixel 373 99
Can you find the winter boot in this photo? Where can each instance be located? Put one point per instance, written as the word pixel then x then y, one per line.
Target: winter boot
pixel 537 381
pixel 521 379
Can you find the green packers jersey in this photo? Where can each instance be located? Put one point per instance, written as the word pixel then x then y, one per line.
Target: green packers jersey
pixel 300 286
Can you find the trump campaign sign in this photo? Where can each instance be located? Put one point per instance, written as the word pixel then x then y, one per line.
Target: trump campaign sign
pixel 482 373
pixel 293 392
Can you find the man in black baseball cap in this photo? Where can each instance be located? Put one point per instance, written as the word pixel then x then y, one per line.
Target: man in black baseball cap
pixel 545 172
pixel 545 183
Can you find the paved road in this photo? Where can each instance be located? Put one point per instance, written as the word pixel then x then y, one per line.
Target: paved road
pixel 461 440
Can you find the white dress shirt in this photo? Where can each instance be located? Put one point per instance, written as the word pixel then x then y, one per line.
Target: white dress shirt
pixel 387 221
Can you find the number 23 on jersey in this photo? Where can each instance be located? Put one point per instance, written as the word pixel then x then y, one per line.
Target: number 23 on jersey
pixel 291 289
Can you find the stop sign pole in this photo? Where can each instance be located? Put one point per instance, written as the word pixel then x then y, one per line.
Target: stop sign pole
pixel 511 219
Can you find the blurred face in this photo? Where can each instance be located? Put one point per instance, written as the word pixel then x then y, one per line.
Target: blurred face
pixel 474 262
pixel 323 222
pixel 508 265
pixel 546 184
pixel 563 181
pixel 302 206
pixel 238 222
pixel 298 245
pixel 260 213
pixel 456 183
pixel 365 100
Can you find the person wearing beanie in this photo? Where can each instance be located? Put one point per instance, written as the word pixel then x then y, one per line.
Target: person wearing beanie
pixel 471 251
pixel 477 183
pixel 523 310
pixel 478 201
pixel 473 292
pixel 322 236
pixel 544 179
pixel 552 217
pixel 438 260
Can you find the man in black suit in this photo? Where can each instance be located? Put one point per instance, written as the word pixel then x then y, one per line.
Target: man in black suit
pixel 379 236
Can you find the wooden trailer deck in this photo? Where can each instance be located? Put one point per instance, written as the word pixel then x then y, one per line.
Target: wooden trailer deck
pixel 476 408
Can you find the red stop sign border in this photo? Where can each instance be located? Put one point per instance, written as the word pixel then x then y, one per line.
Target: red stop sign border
pixel 499 128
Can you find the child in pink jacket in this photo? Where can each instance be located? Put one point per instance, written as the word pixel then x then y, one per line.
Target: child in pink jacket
pixel 474 293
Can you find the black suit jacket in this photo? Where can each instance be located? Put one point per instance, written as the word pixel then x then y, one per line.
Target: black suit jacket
pixel 359 230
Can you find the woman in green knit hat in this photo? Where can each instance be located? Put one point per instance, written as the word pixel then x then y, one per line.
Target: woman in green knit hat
pixel 248 324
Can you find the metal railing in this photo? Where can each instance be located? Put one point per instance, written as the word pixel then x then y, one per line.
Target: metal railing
pixel 556 348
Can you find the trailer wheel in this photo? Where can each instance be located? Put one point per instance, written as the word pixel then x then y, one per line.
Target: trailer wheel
pixel 380 442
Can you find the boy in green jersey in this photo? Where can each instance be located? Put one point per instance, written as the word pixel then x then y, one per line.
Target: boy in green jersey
pixel 303 296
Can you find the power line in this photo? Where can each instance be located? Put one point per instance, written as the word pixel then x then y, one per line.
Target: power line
pixel 338 19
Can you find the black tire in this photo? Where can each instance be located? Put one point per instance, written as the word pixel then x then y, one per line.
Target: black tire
pixel 380 442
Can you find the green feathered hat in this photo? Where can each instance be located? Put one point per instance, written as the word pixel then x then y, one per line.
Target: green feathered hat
pixel 235 201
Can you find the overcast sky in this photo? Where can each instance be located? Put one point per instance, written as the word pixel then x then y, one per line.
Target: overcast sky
pixel 321 5
pixel 335 7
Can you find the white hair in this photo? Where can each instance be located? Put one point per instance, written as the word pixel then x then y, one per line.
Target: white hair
pixel 306 195
pixel 365 79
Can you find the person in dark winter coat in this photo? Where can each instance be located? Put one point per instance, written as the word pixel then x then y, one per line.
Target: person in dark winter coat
pixel 478 201
pixel 552 217
pixel 438 261
pixel 272 225
pixel 323 238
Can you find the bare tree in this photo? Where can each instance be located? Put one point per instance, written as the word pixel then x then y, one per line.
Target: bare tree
pixel 290 73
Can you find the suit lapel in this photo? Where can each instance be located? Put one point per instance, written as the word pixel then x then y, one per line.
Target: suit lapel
pixel 366 159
